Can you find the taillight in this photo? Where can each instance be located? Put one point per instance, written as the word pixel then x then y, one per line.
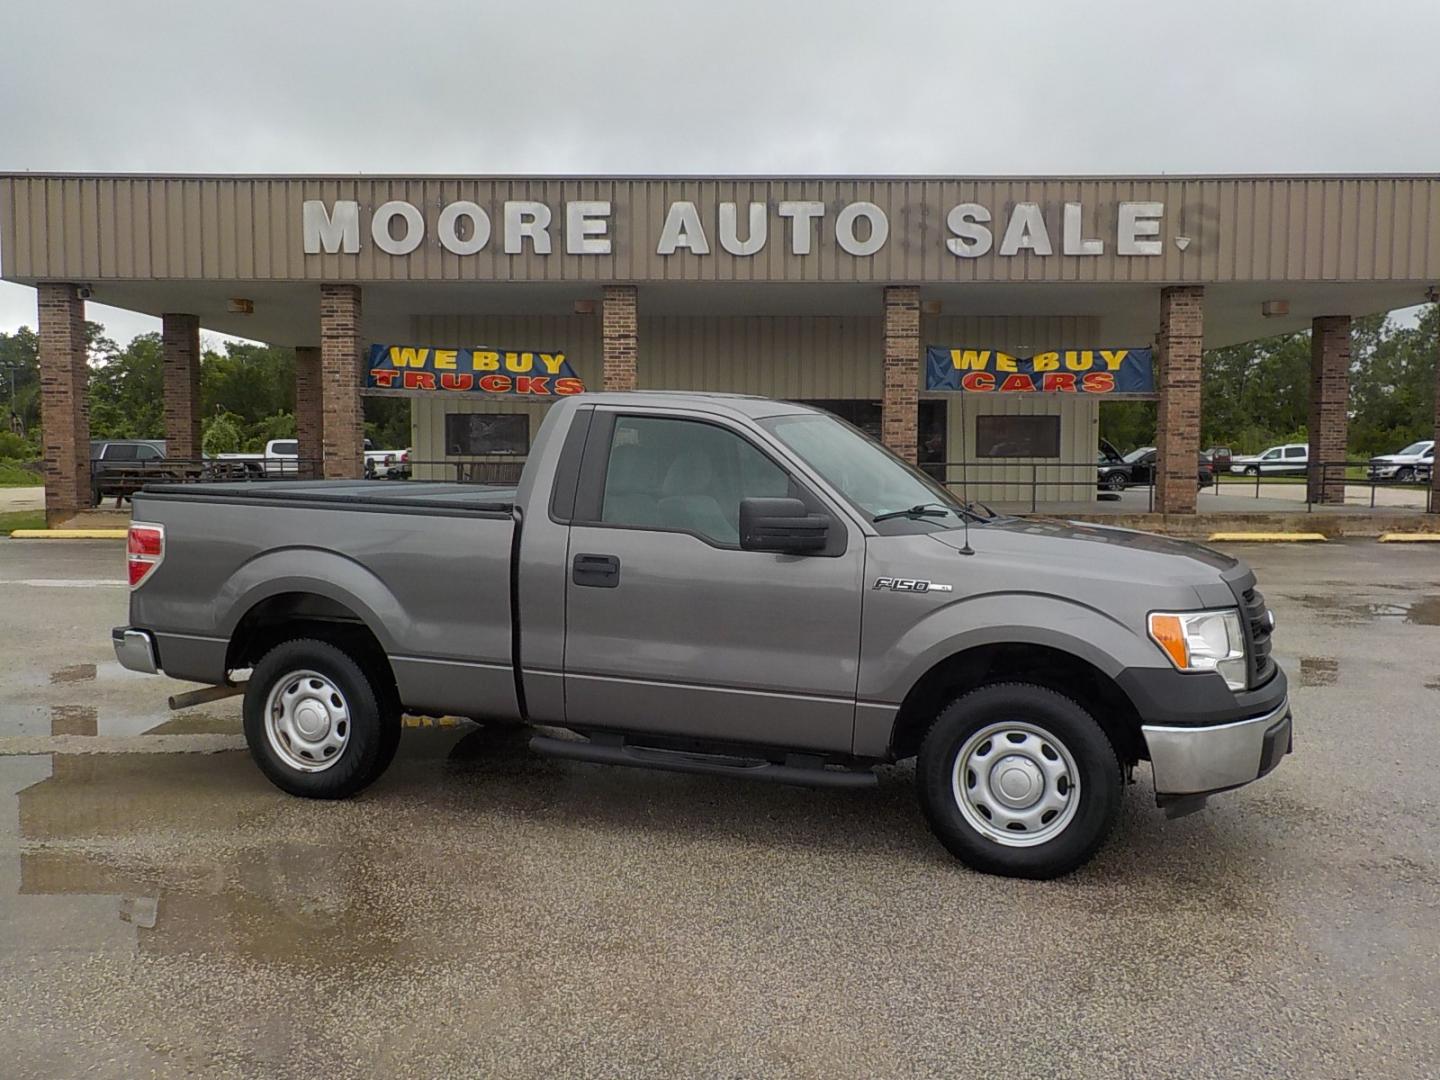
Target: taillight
pixel 405 457
pixel 144 548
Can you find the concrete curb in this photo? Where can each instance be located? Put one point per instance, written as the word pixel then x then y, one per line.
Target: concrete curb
pixel 1269 537
pixel 69 534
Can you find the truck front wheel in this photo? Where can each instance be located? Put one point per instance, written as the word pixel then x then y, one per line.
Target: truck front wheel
pixel 1019 780
pixel 315 724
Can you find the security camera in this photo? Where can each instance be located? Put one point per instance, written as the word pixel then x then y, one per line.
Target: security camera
pixel 84 292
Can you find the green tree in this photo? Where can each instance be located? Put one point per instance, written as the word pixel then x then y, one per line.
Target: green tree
pixel 220 434
pixel 1392 384
pixel 127 392
pixel 387 422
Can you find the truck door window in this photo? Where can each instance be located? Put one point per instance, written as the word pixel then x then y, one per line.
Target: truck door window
pixel 1295 451
pixel 686 476
pixel 147 453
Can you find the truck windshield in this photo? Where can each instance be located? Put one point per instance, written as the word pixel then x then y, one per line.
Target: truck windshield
pixel 870 476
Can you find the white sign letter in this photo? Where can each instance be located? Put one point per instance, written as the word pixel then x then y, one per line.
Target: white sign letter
pixel 586 228
pixel 524 219
pixel 802 214
pixel 1075 242
pixel 1026 230
pixel 450 238
pixel 1139 219
pixel 682 229
pixel 331 233
pixel 971 239
pixel 845 228
pixel 728 238
pixel 380 227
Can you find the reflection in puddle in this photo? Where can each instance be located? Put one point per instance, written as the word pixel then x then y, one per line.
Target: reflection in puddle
pixel 72 720
pixel 1422 612
pixel 73 673
pixel 1318 670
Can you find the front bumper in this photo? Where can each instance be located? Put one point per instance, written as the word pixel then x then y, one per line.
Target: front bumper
pixel 135 649
pixel 1190 761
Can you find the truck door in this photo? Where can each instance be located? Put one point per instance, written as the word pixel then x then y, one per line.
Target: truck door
pixel 670 626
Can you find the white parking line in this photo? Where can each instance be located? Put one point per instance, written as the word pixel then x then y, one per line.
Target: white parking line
pixel 65 583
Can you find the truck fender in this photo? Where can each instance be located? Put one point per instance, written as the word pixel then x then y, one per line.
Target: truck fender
pixel 1001 618
pixel 309 570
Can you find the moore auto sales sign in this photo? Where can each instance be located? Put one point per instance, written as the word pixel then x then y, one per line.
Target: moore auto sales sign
pixel 801 226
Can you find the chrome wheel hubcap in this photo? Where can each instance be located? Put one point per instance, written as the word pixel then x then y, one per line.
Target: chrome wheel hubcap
pixel 1016 784
pixel 307 721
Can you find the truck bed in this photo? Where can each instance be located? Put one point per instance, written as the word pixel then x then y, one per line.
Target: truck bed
pixel 391 495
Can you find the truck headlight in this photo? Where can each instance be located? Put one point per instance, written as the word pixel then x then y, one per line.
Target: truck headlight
pixel 1202 641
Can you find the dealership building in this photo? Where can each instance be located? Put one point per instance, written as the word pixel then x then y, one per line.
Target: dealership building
pixel 977 325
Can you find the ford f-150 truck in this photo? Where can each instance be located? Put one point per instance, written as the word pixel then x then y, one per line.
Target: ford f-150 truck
pixel 726 585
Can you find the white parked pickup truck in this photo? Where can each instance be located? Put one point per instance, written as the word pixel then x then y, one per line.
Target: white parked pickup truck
pixel 281 458
pixel 1412 463
pixel 1291 459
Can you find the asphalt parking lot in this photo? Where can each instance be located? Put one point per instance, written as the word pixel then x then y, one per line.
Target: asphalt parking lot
pixel 483 912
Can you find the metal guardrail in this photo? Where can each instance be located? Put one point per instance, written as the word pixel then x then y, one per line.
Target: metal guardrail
pixel 1327 474
pixel 121 481
pixel 959 476
pixel 1080 476
pixel 462 472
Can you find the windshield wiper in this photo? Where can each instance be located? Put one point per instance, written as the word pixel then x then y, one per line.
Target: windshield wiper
pixel 923 510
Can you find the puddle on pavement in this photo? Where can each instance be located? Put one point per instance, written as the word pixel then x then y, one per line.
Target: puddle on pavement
pixel 1318 670
pixel 73 673
pixel 1422 612
pixel 199 723
pixel 72 720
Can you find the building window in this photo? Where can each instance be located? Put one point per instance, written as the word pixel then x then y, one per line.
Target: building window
pixel 470 434
pixel 1017 436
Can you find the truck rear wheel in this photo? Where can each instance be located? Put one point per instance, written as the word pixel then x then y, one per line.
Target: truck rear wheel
pixel 315 724
pixel 1019 780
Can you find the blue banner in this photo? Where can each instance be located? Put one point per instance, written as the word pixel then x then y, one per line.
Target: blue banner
pixel 475 371
pixel 1067 371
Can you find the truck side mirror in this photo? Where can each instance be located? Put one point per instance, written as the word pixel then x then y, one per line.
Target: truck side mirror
pixel 781 525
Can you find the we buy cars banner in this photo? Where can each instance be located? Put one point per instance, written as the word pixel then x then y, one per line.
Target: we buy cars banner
pixel 1068 371
pixel 517 373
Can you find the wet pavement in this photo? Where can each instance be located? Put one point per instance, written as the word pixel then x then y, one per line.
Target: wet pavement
pixel 484 912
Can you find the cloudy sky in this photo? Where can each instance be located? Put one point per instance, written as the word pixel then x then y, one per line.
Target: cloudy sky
pixel 757 86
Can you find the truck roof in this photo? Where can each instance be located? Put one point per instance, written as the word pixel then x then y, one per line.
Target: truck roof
pixel 750 405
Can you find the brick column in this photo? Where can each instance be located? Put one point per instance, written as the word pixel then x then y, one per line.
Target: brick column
pixel 900 406
pixel 309 412
pixel 342 438
pixel 1177 422
pixel 180 351
pixel 619 332
pixel 64 414
pixel 1329 399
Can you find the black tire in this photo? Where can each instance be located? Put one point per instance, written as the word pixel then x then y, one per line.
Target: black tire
pixel 372 721
pixel 1252 470
pixel 1100 781
pixel 1115 482
pixel 1405 475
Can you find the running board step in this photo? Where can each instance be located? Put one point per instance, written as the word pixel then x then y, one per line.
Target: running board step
pixel 646 757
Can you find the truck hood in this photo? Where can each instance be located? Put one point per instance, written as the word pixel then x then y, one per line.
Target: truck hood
pixel 1098 551
pixel 1398 459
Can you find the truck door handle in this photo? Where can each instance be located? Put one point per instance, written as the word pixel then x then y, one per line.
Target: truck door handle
pixel 596 571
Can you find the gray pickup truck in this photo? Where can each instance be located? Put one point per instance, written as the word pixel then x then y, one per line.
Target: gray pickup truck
pixel 724 585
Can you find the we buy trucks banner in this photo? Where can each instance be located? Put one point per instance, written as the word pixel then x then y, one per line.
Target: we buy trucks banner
pixel 471 371
pixel 1068 371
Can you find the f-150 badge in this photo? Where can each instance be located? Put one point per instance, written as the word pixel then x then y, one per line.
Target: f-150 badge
pixel 902 584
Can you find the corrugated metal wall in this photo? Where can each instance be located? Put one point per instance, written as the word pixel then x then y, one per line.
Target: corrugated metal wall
pixel 87 228
pixel 1008 480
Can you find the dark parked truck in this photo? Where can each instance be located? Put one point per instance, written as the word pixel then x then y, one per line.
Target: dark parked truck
pixel 723 585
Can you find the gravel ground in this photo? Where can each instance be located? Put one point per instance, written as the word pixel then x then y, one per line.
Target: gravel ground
pixel 483 912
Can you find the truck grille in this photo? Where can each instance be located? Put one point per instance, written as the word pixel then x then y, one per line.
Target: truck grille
pixel 1256 618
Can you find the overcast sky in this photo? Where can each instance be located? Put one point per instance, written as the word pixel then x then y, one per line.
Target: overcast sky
pixel 888 86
